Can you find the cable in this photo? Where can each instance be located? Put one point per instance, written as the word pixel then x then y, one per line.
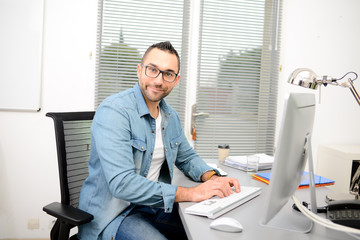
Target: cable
pixel 322 221
pixel 356 76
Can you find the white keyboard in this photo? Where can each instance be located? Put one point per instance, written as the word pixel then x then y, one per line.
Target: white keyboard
pixel 214 207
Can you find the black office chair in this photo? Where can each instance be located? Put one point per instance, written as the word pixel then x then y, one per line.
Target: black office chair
pixel 72 133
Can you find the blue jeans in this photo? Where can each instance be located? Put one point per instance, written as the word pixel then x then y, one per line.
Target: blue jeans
pixel 151 223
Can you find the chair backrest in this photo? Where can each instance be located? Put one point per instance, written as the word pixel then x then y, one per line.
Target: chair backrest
pixel 72 133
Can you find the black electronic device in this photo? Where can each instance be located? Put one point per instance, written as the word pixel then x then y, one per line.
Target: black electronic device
pixel 344 212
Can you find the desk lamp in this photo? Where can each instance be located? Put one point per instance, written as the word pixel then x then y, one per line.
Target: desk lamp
pixel 307 78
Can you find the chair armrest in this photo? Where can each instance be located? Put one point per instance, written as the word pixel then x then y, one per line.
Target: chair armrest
pixel 68 214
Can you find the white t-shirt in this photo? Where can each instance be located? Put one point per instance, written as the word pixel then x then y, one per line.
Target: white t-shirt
pixel 158 155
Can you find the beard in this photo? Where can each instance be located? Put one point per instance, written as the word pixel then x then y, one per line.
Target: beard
pixel 154 93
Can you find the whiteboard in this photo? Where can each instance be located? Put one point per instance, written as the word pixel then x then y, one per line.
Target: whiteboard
pixel 21 31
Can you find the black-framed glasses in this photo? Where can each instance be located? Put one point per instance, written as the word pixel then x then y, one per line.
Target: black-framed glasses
pixel 153 72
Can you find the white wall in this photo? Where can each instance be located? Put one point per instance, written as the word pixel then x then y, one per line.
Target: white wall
pixel 28 167
pixel 324 36
pixel 320 34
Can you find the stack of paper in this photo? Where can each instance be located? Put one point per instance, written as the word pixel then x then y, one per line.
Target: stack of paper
pixel 240 162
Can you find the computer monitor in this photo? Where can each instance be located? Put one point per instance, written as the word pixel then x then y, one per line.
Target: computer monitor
pixel 290 158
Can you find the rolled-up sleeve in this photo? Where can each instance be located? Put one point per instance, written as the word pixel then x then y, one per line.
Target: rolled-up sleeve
pixel 169 192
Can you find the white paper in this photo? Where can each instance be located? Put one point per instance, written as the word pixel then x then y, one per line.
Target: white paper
pixel 240 162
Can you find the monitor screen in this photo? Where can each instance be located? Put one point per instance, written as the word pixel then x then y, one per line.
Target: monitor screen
pixel 289 162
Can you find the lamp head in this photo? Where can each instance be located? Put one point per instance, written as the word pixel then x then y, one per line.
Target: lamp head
pixel 304 77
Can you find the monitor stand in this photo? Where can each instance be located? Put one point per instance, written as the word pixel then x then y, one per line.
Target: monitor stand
pixel 289 219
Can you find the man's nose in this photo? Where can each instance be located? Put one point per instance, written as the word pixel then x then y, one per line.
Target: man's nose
pixel 159 78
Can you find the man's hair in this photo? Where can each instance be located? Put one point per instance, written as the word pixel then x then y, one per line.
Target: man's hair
pixel 164 46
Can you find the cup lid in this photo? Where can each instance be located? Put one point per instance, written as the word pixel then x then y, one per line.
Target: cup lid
pixel 226 146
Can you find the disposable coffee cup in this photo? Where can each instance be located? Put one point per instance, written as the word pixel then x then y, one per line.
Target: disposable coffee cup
pixel 223 152
pixel 252 164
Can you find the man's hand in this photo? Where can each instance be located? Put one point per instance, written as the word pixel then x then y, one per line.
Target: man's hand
pixel 215 186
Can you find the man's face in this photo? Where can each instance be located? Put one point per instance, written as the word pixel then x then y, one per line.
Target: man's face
pixel 155 89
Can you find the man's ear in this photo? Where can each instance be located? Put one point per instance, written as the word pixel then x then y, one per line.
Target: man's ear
pixel 139 68
pixel 177 80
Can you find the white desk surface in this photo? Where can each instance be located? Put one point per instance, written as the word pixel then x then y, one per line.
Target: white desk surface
pixel 250 213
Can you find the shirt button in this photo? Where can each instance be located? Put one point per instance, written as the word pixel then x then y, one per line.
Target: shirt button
pixel 176 143
pixel 153 131
pixel 151 154
pixel 142 148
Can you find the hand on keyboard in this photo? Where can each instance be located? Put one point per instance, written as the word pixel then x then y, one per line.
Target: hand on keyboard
pixel 230 184
pixel 220 186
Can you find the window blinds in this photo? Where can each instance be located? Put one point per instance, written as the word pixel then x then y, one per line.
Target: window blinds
pixel 126 30
pixel 239 64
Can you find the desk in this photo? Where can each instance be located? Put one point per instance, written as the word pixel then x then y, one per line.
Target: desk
pixel 250 213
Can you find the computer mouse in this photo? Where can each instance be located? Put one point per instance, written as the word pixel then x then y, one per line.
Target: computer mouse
pixel 226 224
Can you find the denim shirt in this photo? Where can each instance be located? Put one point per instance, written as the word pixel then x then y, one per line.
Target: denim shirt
pixel 122 144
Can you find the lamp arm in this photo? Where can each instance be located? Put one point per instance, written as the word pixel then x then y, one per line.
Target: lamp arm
pixel 324 80
pixel 353 91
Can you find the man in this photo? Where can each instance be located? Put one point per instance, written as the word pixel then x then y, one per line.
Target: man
pixel 136 141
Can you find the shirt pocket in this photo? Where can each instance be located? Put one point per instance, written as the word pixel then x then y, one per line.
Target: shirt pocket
pixel 174 145
pixel 138 149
